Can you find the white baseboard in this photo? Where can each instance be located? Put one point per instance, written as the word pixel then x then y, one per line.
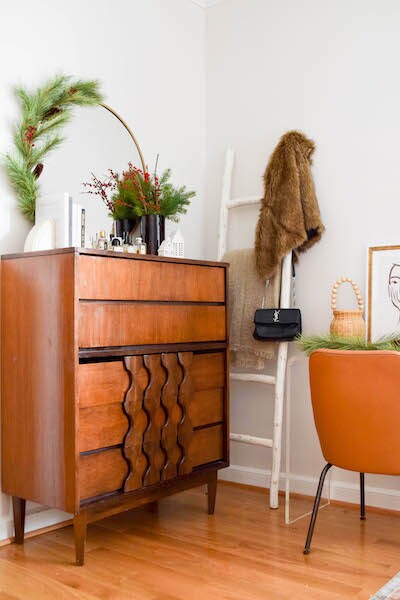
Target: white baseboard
pixel 340 490
pixel 38 518
pixel 35 519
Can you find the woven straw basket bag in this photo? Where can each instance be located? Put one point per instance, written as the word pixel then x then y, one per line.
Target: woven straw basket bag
pixel 347 323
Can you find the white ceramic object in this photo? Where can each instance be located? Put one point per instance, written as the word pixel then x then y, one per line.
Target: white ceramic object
pixel 178 245
pixel 42 236
pixel 166 248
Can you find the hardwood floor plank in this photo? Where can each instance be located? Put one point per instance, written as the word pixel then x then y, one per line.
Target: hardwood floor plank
pixel 23 583
pixel 243 552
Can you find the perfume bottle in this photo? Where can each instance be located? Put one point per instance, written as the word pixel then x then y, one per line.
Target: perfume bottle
pixel 131 246
pixel 102 242
pixel 141 247
pixel 116 245
pixel 125 246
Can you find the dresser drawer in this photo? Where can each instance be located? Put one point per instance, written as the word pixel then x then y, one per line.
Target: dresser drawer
pixel 104 324
pixel 207 407
pixel 101 426
pixel 102 388
pixel 107 382
pixel 101 473
pixel 208 370
pixel 206 445
pixel 104 426
pixel 101 383
pixel 105 472
pixel 109 278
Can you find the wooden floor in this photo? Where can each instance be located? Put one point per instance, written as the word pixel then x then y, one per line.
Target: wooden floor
pixel 242 552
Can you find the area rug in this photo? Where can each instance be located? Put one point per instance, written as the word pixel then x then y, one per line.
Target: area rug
pixel 390 591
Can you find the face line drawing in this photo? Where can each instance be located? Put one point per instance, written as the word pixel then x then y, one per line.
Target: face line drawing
pixel 394 288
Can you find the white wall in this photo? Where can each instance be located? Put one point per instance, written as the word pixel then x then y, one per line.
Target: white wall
pixel 329 69
pixel 150 57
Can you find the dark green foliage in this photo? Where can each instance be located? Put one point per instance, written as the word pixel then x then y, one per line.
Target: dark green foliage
pixel 44 114
pixel 174 200
pixel 310 343
pixel 139 194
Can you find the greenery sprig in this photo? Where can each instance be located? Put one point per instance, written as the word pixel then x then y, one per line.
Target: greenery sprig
pixel 136 193
pixel 44 113
pixel 310 343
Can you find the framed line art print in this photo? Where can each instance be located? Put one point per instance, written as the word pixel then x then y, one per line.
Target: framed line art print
pixel 383 292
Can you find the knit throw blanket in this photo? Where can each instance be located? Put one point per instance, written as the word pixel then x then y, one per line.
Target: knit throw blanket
pixel 246 293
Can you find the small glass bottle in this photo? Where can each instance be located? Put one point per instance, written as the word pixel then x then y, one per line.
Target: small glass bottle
pixel 131 246
pixel 125 243
pixel 102 242
pixel 141 247
pixel 116 245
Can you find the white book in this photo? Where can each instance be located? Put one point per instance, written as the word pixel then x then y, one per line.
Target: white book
pixel 59 208
pixel 68 215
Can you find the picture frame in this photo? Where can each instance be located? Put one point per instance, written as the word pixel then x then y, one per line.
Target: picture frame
pixel 383 292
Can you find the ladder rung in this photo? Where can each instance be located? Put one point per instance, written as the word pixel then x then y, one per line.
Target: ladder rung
pixel 244 201
pixel 270 379
pixel 251 439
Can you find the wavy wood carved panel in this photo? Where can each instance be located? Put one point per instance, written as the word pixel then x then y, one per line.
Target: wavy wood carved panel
pixel 156 415
pixel 138 422
pixel 156 445
pixel 185 429
pixel 169 399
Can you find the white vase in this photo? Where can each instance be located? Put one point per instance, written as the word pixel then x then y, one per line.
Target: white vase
pixel 42 236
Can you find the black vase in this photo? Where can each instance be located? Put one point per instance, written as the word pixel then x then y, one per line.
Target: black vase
pixel 125 227
pixel 152 231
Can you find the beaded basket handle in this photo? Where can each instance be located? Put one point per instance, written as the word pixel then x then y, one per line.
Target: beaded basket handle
pixel 355 288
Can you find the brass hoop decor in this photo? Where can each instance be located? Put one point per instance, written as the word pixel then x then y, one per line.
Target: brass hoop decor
pixel 121 120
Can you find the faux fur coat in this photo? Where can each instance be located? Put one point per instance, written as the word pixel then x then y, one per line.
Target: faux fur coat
pixel 289 215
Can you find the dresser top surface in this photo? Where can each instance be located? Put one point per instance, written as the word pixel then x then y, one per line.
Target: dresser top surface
pixel 117 256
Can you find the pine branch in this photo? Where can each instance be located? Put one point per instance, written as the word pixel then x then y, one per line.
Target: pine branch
pixel 44 113
pixel 165 177
pixel 53 124
pixel 85 93
pixel 25 184
pixel 50 144
pixel 51 94
pixel 310 343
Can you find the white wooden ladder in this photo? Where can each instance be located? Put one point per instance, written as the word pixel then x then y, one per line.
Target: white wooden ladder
pixel 277 380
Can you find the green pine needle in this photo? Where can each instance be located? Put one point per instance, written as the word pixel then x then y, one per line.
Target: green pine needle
pixel 25 184
pixel 172 202
pixel 44 113
pixel 310 343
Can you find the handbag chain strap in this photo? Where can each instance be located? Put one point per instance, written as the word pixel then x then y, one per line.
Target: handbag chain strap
pixel 293 288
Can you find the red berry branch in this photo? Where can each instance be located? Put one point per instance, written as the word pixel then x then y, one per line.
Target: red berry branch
pixel 136 193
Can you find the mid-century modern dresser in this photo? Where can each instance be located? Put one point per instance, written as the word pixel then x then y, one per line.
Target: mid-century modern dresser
pixel 114 381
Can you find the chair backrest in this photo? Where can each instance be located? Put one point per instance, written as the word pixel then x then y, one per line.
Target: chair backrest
pixel 356 403
pixel 228 203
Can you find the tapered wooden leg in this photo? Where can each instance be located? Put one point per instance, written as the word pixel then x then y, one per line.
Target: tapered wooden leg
pixel 19 519
pixel 80 527
pixel 152 507
pixel 212 492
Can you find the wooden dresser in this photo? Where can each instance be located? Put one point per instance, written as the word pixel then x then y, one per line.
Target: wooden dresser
pixel 114 381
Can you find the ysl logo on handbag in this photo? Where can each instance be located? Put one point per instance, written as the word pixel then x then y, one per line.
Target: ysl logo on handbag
pixel 276 316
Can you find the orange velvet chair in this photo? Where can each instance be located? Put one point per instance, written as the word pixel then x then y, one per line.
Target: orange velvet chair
pixel 356 402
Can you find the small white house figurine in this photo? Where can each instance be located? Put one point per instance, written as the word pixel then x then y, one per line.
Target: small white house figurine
pixel 178 245
pixel 166 248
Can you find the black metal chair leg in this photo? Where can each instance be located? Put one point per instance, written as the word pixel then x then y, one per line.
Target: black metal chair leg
pixel 315 509
pixel 362 497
